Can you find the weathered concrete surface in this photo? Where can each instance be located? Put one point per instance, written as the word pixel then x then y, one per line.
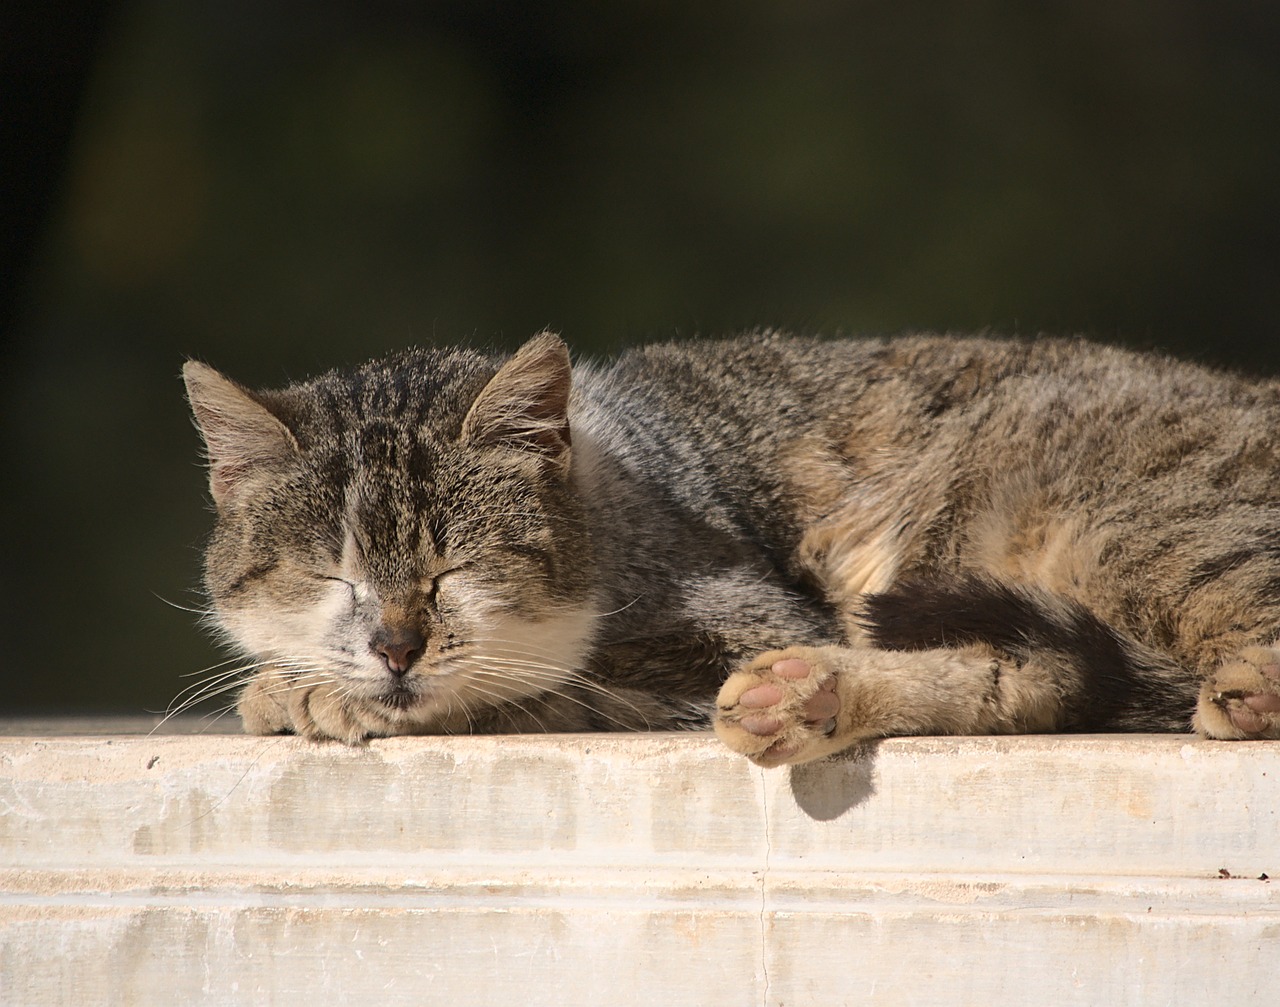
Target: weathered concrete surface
pixel 637 869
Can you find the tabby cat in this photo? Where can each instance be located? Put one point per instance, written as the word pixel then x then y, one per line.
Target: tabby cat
pixel 803 543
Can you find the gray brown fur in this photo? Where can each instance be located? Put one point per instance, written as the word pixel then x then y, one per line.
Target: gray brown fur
pixel 950 535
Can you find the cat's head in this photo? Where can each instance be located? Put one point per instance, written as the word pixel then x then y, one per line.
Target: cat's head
pixel 408 530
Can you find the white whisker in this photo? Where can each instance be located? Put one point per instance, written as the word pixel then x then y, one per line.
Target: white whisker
pixel 623 608
pixel 501 702
pixel 204 613
pixel 549 688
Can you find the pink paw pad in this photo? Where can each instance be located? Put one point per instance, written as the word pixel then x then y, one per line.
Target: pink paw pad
pixel 820 709
pixel 781 708
pixel 1242 699
pixel 1248 713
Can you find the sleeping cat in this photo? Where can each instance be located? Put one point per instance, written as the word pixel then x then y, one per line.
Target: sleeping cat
pixel 803 543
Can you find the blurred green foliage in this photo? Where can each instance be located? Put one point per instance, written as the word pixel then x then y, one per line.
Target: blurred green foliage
pixel 279 187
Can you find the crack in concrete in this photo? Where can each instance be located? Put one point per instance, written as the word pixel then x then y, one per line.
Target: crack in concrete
pixel 764 880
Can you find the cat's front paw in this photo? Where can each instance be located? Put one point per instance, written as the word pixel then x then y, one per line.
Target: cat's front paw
pixel 275 703
pixel 262 706
pixel 1241 700
pixel 781 708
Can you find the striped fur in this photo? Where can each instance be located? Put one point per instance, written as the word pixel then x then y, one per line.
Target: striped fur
pixel 949 534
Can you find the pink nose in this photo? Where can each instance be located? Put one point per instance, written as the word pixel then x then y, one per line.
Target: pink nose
pixel 398 648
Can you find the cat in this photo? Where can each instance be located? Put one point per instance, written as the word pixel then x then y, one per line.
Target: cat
pixel 803 543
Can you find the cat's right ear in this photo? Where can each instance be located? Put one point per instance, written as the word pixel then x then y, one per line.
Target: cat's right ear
pixel 525 405
pixel 241 436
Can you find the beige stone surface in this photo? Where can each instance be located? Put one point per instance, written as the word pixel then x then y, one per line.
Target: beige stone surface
pixel 635 869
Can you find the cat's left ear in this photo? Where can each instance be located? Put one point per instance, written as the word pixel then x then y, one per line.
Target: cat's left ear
pixel 526 404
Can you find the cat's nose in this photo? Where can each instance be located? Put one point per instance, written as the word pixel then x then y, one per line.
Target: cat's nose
pixel 398 647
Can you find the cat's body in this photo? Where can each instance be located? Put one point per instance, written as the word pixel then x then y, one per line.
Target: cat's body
pixel 922 535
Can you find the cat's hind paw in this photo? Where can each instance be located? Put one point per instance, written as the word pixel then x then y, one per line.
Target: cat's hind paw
pixel 1241 700
pixel 781 708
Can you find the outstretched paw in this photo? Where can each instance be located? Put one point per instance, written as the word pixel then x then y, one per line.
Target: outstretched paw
pixel 780 708
pixel 1241 700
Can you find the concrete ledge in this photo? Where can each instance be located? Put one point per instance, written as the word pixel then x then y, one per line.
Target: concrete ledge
pixel 636 869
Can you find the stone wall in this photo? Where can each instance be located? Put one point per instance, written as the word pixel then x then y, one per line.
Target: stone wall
pixel 652 869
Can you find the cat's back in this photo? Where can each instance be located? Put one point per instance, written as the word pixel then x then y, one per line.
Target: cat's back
pixel 796 422
pixel 768 385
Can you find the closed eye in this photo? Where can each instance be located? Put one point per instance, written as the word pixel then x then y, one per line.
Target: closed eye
pixel 456 568
pixel 433 588
pixel 340 580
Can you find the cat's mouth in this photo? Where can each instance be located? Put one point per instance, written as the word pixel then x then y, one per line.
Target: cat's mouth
pixel 398 697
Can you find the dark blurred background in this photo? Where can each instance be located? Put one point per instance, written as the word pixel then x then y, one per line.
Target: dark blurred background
pixel 278 187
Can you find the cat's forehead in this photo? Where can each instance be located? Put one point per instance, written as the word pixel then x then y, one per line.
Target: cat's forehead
pixel 385 440
pixel 392 519
pixel 388 420
pixel 398 473
pixel 408 482
pixel 434 377
pixel 416 392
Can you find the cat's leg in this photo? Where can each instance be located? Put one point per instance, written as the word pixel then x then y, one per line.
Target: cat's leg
pixel 1241 699
pixel 803 703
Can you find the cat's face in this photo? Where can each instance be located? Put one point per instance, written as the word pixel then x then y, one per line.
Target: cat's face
pixel 405 535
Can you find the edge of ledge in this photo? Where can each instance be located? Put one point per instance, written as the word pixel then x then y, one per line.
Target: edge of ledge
pixel 1133 805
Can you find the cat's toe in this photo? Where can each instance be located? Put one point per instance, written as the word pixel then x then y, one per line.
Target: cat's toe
pixel 774 710
pixel 1241 700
